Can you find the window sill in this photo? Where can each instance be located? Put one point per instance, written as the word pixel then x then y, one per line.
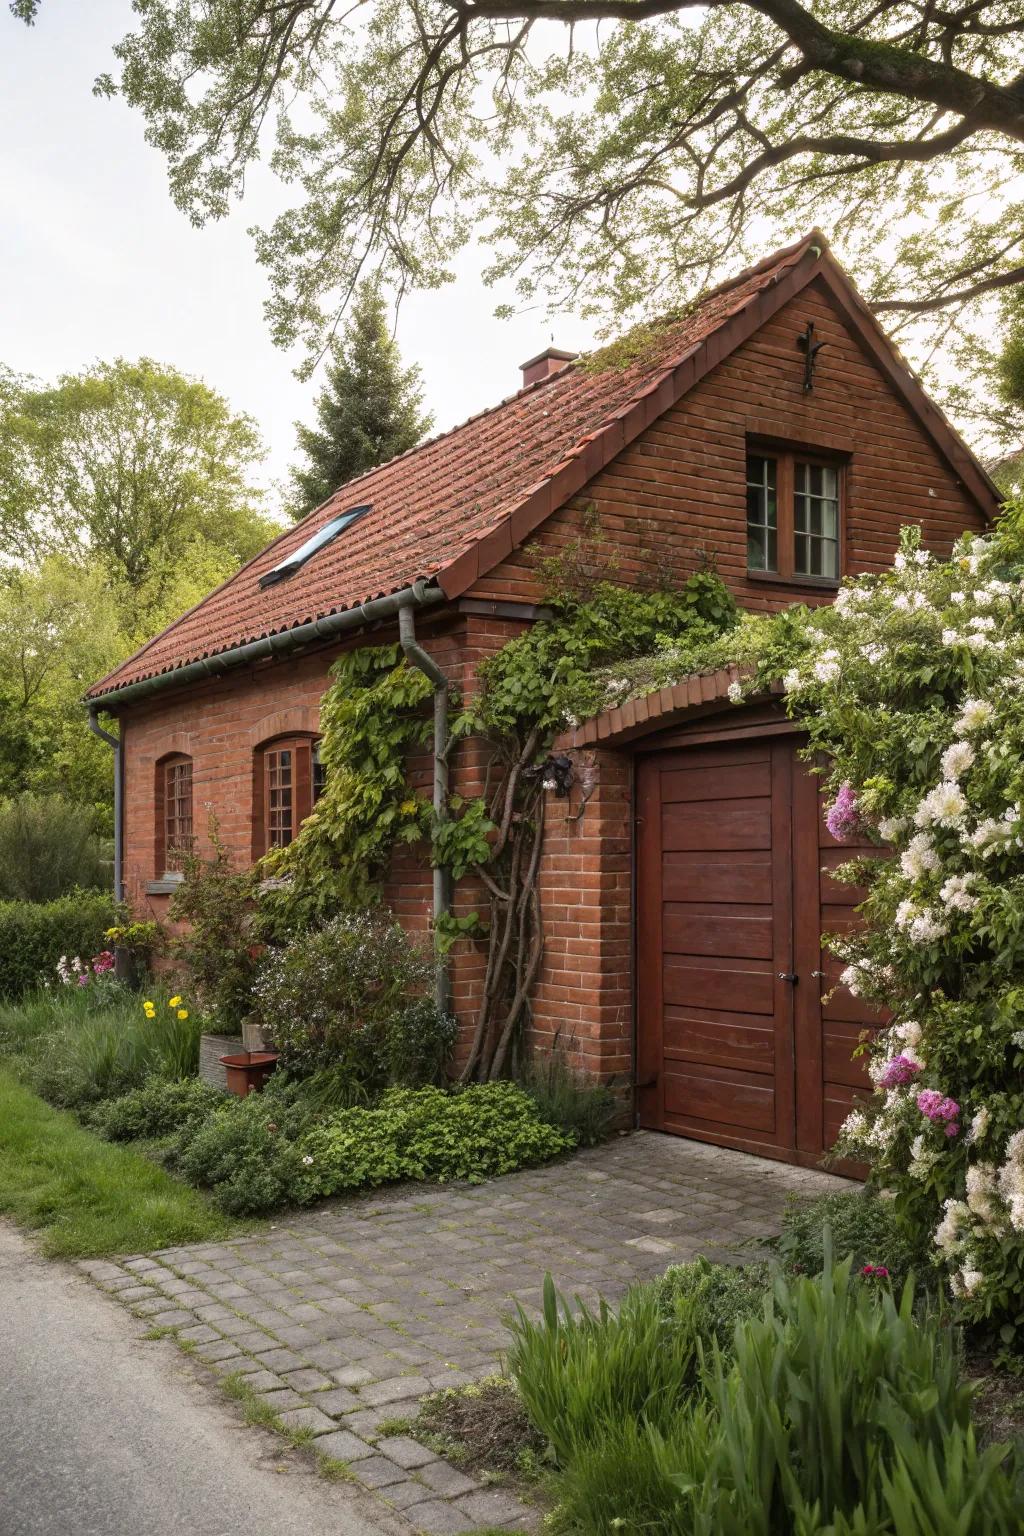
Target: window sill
pixel 817 583
pixel 166 886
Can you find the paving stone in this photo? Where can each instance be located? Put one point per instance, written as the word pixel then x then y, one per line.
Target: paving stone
pixel 138 1293
pixel 393 1388
pixel 438 1516
pixel 172 1319
pixel 447 1480
pixel 404 1495
pixel 281 1360
pixel 307 1418
pixel 307 1380
pixel 377 1471
pixel 261 1380
pixel 283 1400
pixel 344 1446
pixel 491 1506
pixel 223 1349
pixel 406 1451
pixel 200 1333
pixel 337 1402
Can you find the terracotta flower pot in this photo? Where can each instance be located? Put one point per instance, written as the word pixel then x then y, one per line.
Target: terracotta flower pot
pixel 248 1071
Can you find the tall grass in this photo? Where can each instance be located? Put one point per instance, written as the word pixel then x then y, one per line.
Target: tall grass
pixel 839 1411
pixel 75 1046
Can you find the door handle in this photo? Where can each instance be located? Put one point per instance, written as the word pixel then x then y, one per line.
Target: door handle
pixel 789 976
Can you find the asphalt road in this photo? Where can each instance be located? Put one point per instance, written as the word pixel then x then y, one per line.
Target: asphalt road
pixel 105 1434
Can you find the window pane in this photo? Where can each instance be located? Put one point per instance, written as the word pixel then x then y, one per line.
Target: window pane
pixel 762 513
pixel 816 520
pixel 319 773
pixel 177 812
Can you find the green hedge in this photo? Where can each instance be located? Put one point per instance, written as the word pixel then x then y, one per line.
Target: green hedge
pixel 34 935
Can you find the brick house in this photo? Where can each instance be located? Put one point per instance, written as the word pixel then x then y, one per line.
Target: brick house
pixel 685 881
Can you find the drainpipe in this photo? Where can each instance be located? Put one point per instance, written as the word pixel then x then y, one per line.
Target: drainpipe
pixel 419 658
pixel 114 741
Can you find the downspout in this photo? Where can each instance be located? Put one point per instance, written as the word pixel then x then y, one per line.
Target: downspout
pixel 114 741
pixel 423 662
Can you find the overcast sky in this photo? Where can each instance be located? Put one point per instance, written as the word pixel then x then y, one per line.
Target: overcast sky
pixel 97 262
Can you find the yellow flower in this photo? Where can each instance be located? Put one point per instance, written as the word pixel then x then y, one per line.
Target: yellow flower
pixel 182 1013
pixel 147 1005
pixel 408 807
pixel 175 1002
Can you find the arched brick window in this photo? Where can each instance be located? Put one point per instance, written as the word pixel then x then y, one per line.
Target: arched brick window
pixel 288 779
pixel 174 825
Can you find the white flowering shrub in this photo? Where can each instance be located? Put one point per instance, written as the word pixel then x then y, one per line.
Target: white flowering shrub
pixel 912 688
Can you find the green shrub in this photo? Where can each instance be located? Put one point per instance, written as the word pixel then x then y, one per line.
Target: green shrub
pixel 49 848
pixel 864 1227
pixel 219 947
pixel 246 1152
pixel 34 935
pixel 569 1101
pixel 276 1148
pixel 344 998
pixel 161 1107
pixel 581 1371
pixel 719 1295
pixel 835 1411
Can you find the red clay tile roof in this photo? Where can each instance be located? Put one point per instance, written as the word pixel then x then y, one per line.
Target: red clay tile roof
pixel 450 509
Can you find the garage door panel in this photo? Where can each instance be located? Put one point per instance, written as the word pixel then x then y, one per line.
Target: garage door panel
pixel 742 824
pixel 720 1096
pixel 692 930
pixel 700 983
pixel 739 876
pixel 840 1039
pixel 738 781
pixel 722 1039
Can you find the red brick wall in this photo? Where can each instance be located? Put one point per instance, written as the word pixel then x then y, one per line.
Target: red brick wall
pixel 680 487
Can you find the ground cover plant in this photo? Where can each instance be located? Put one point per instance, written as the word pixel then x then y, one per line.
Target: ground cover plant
pixel 275 1148
pixel 85 1197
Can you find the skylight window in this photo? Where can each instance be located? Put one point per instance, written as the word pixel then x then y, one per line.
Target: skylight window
pixel 316 541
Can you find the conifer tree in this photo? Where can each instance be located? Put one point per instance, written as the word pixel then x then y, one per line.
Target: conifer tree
pixel 369 410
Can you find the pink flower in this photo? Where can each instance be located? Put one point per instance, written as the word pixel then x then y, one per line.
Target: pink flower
pixel 875 1272
pixel 939 1109
pixel 842 818
pixel 102 962
pixel 898 1071
pixel 83 979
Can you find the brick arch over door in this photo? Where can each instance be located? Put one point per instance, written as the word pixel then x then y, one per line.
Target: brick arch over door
pixel 744 1036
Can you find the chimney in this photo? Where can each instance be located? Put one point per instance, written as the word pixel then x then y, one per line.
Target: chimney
pixel 550 361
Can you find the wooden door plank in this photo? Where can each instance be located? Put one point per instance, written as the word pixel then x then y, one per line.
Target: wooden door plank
pixel 649 1003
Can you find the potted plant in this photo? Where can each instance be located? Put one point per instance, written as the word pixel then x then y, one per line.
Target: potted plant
pixel 133 945
pixel 247 1071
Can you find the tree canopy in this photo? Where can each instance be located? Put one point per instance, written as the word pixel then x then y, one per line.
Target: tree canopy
pixel 134 467
pixel 369 410
pixel 618 153
pixel 125 496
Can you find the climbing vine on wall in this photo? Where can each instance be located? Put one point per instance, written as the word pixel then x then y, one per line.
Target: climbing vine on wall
pixel 374 717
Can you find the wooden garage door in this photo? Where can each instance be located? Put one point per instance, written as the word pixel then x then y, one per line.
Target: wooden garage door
pixel 731 904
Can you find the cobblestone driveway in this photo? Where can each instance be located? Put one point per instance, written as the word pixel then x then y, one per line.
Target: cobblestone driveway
pixel 346 1316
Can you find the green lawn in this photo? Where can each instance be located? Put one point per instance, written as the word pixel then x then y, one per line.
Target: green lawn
pixel 89 1197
